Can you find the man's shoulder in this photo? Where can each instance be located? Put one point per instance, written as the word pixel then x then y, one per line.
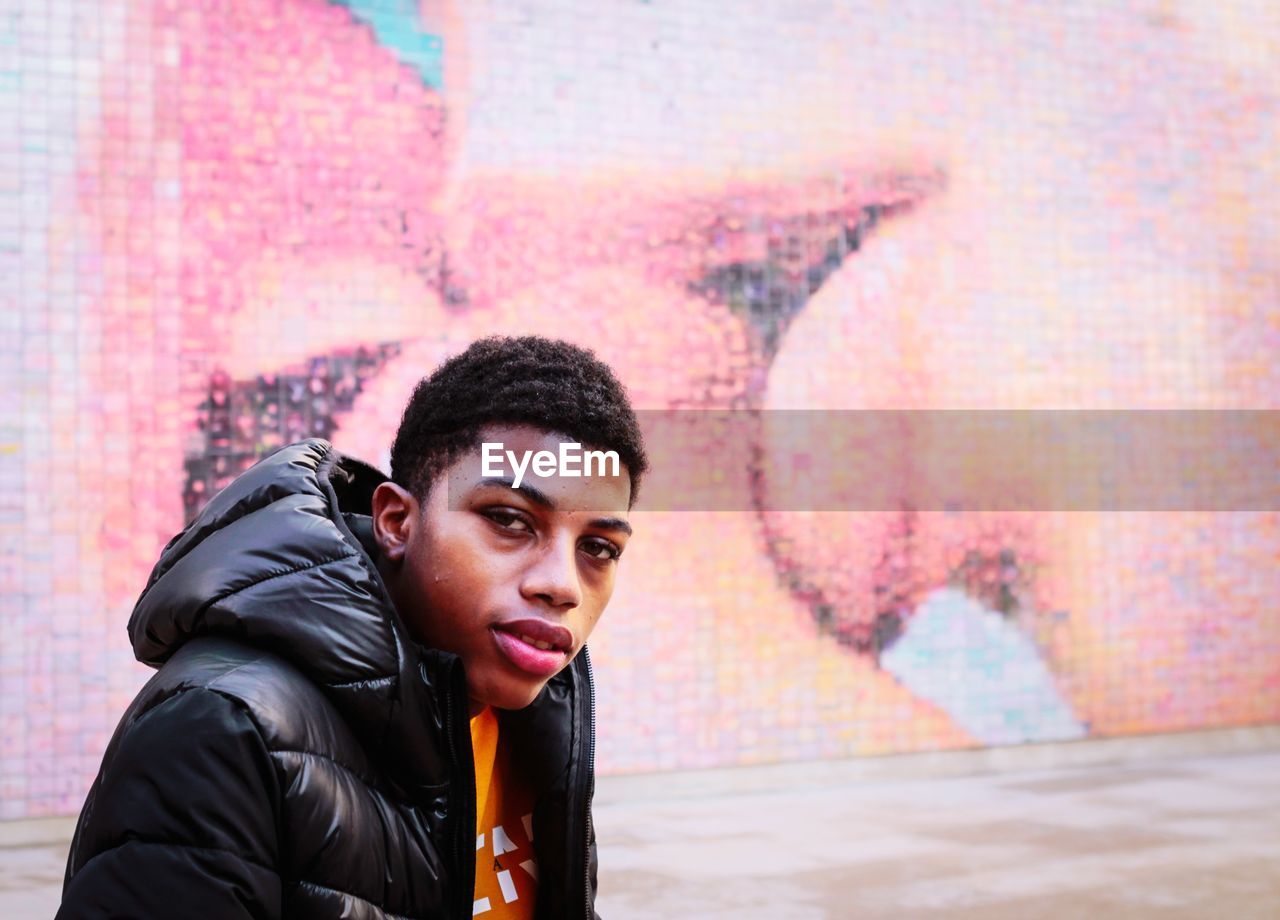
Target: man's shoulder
pixel 289 711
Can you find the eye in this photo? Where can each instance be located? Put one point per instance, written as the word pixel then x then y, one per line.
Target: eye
pixel 508 519
pixel 601 550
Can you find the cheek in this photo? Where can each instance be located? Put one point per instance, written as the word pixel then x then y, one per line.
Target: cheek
pixel 596 597
pixel 593 608
pixel 452 585
pixel 861 344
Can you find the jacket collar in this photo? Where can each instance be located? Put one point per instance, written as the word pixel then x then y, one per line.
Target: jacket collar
pixel 273 561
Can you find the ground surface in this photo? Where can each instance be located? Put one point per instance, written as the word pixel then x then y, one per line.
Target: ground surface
pixel 1174 838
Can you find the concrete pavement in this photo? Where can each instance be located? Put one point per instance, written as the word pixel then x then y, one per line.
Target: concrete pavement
pixel 1190 838
pixel 1169 837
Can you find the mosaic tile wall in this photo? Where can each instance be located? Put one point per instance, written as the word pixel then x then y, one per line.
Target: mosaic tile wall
pixel 227 225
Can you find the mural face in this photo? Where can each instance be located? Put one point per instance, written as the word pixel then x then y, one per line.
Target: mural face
pixel 246 223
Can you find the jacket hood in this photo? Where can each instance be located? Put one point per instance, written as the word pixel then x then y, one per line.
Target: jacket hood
pixel 275 561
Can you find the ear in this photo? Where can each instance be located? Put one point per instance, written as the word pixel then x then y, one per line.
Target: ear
pixel 395 514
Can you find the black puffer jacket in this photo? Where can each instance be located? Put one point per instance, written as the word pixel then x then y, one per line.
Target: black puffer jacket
pixel 297 754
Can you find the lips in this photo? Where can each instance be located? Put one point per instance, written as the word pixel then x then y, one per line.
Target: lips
pixel 537 631
pixel 533 645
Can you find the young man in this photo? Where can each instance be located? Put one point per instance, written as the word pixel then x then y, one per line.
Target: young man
pixel 374 697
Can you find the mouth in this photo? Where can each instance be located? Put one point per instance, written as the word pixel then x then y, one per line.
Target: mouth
pixel 533 645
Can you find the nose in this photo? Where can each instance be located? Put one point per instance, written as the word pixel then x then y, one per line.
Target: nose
pixel 552 577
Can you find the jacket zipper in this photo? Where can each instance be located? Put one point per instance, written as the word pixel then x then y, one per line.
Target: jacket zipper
pixel 465 868
pixel 591 782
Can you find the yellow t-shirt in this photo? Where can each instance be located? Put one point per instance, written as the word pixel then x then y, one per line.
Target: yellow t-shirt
pixel 506 874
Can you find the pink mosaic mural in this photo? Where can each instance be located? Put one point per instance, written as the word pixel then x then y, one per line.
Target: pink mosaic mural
pixel 230 225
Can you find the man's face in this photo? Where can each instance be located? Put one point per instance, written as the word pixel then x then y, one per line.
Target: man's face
pixel 512 580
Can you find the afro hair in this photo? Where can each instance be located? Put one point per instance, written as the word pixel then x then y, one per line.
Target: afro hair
pixel 549 384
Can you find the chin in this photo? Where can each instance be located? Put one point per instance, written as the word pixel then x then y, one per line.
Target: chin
pixel 514 697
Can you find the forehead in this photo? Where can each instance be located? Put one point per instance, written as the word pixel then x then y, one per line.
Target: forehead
pixel 576 477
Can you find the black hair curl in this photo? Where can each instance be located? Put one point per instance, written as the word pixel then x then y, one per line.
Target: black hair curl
pixel 546 383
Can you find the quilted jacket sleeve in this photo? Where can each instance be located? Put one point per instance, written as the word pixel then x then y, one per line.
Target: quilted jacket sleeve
pixel 182 821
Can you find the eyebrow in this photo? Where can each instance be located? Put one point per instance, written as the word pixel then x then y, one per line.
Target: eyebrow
pixel 534 494
pixel 611 523
pixel 538 497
